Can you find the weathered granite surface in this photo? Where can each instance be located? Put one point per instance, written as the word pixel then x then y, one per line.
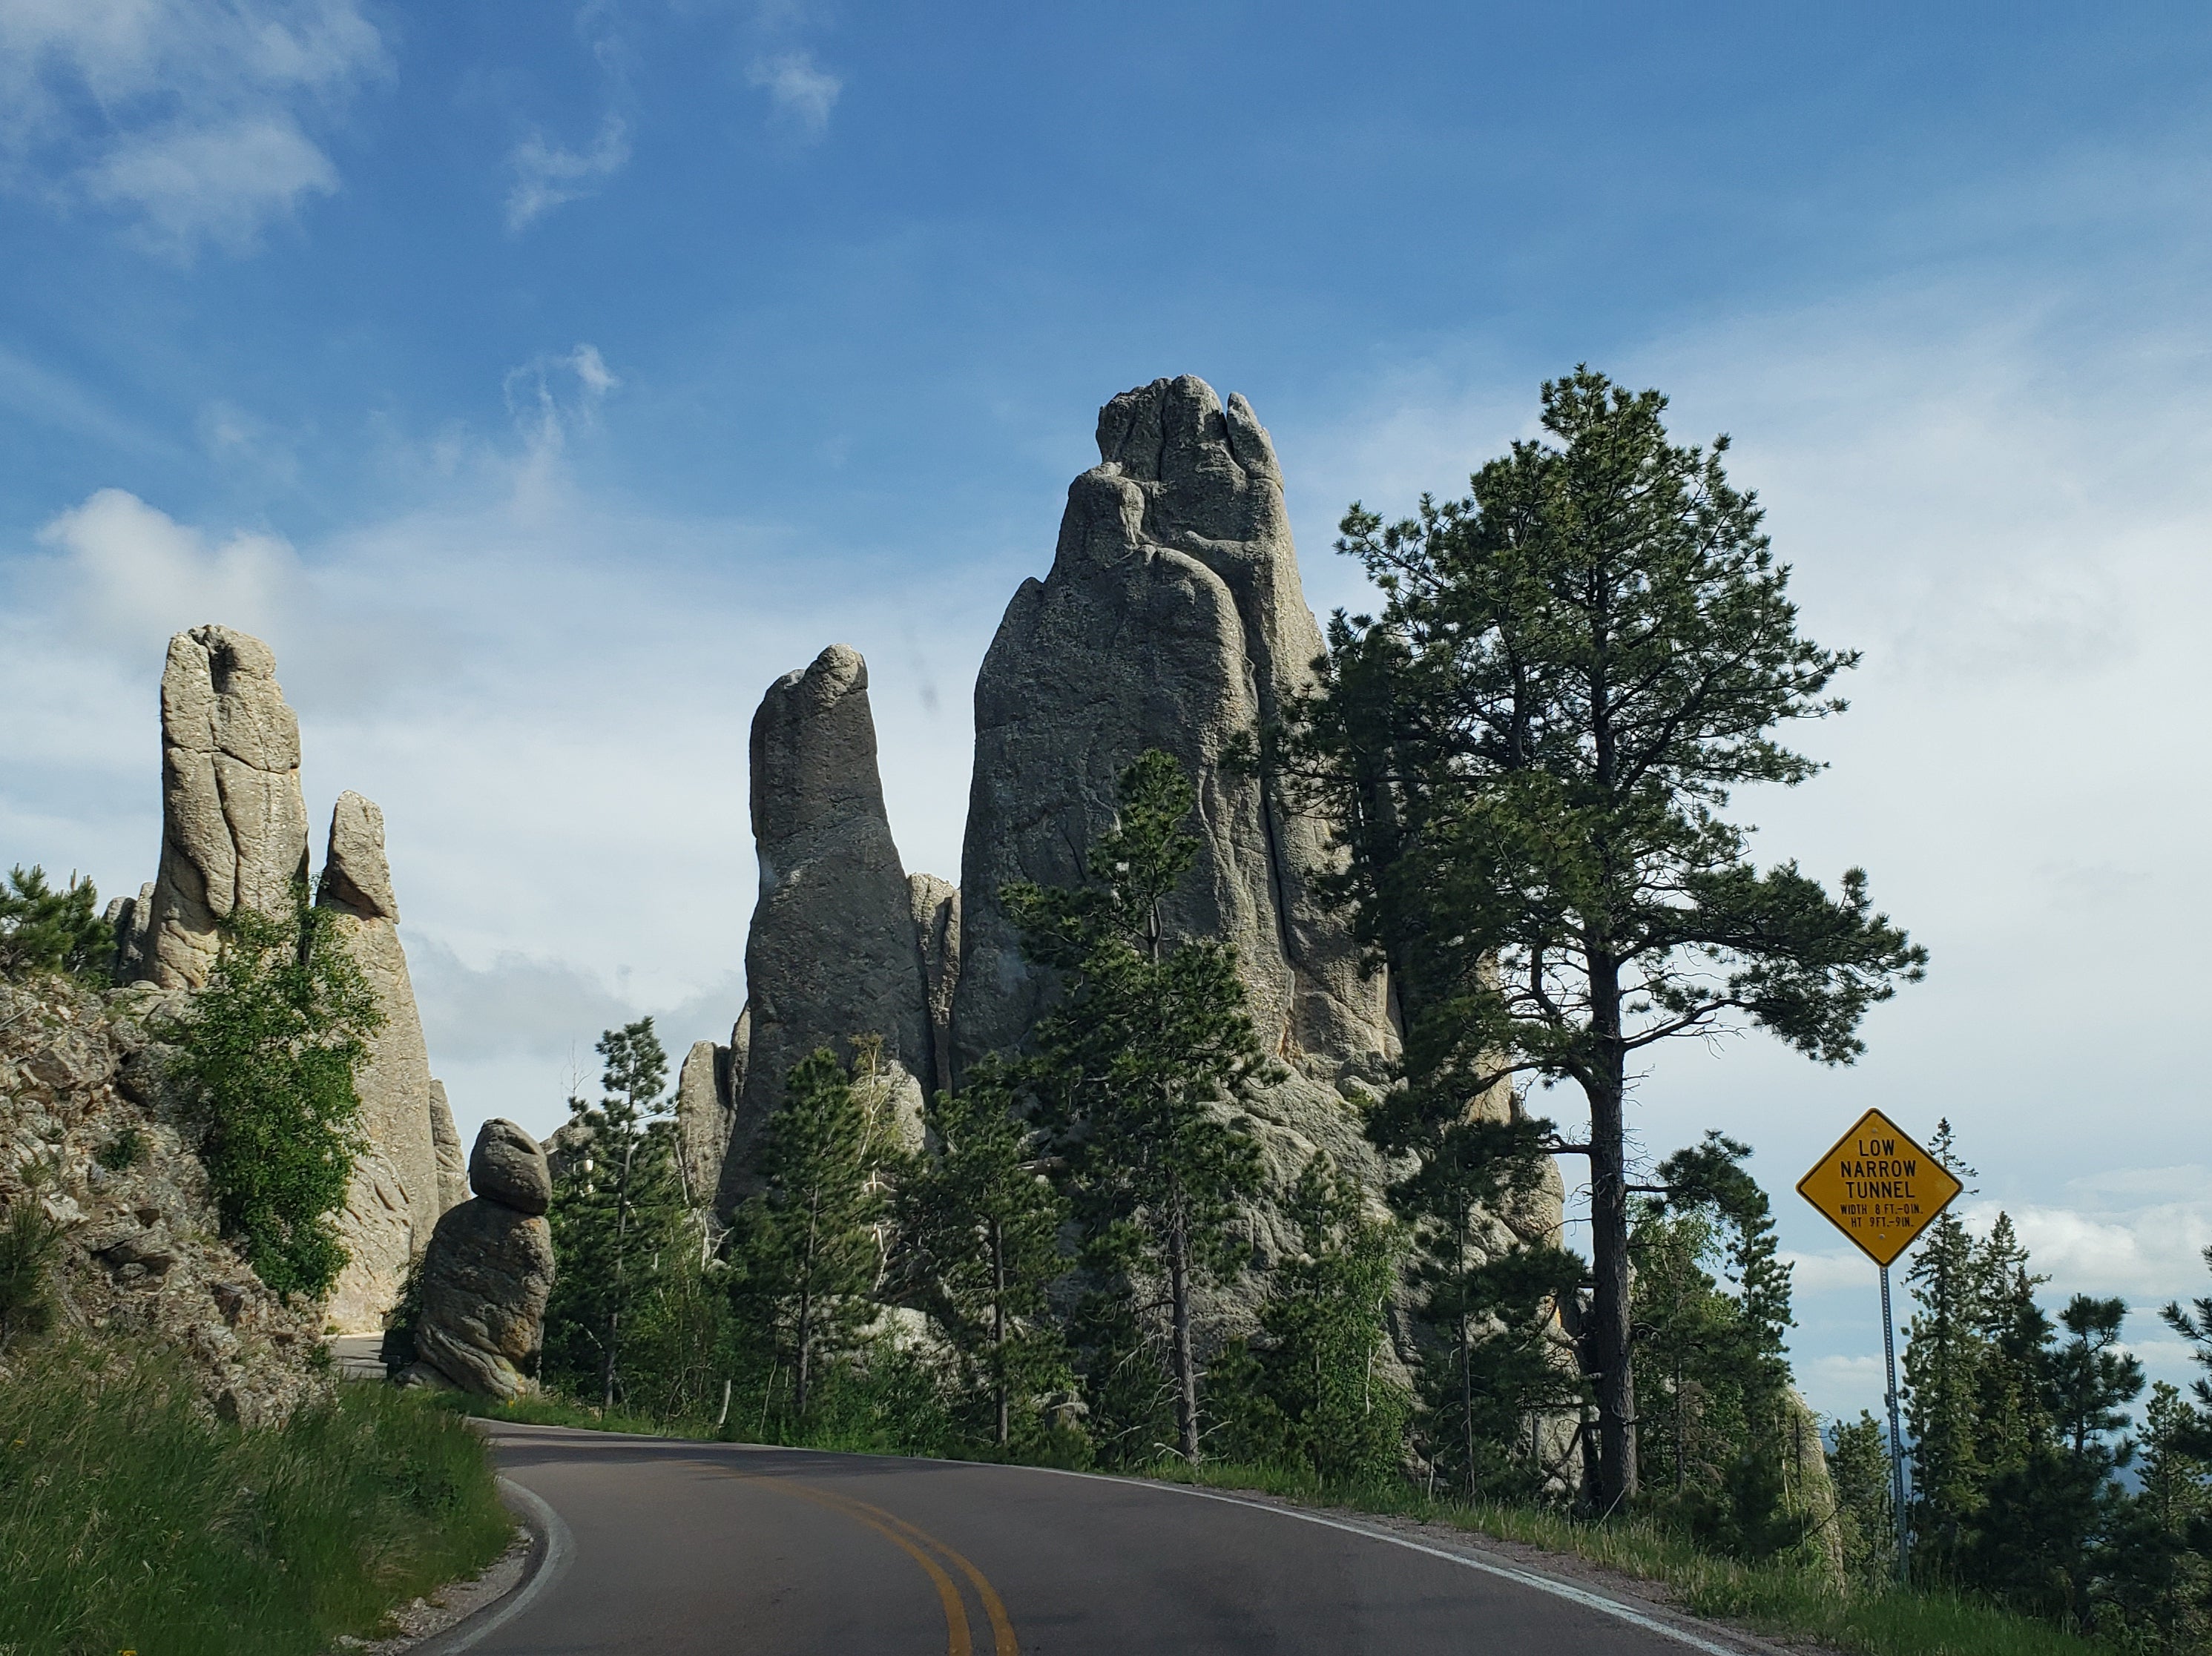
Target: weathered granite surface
pixel 233 822
pixel 489 1272
pixel 1172 618
pixel 394 1200
pixel 832 955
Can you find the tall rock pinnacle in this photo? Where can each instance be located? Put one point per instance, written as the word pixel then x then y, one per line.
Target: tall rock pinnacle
pixel 234 824
pixel 395 1199
pixel 833 955
pixel 1172 618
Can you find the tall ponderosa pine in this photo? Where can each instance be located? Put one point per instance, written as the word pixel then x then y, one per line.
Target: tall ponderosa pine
pixel 268 1054
pixel 807 1253
pixel 978 1229
pixel 618 1209
pixel 1133 1068
pixel 1527 755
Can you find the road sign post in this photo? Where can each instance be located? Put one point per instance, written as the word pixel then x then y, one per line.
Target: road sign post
pixel 1881 1190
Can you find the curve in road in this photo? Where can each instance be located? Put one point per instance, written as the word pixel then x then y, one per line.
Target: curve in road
pixel 677 1548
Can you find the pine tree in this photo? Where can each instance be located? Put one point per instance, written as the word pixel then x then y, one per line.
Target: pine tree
pixel 1859 1468
pixel 1526 755
pixel 1136 1072
pixel 979 1228
pixel 2050 1516
pixel 42 930
pixel 2157 1578
pixel 1946 1344
pixel 618 1212
pixel 1306 1390
pixel 806 1253
pixel 1721 1401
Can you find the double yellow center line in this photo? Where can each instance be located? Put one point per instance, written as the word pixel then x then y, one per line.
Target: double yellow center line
pixel 918 1545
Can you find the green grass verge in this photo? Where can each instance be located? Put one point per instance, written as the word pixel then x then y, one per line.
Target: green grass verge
pixel 130 1521
pixel 1783 1599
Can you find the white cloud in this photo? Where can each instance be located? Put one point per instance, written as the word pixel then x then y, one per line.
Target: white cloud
pixel 800 93
pixel 189 121
pixel 546 175
pixel 220 182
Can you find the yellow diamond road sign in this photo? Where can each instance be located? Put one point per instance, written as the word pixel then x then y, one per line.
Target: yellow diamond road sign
pixel 1878 1187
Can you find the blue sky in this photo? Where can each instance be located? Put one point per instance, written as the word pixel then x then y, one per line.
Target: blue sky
pixel 542 381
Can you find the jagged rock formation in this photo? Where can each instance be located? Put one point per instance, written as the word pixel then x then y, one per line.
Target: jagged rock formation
pixel 394 1200
pixel 1172 618
pixel 706 1109
pixel 131 919
pixel 452 1165
pixel 937 929
pixel 233 824
pixel 833 954
pixel 489 1272
pixel 89 1130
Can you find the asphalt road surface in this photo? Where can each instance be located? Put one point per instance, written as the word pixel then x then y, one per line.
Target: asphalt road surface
pixel 680 1547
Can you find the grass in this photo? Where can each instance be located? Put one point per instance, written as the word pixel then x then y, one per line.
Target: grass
pixel 1783 1598
pixel 131 1522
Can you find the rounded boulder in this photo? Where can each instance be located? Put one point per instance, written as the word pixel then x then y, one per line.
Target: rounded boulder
pixel 508 1167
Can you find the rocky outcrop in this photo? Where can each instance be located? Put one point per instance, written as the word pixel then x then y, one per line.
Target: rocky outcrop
pixel 489 1272
pixel 1172 618
pixel 131 919
pixel 706 1109
pixel 833 955
pixel 452 1165
pixel 394 1200
pixel 233 824
pixel 937 929
pixel 90 1131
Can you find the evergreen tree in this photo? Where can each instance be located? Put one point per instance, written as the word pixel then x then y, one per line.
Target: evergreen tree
pixel 267 1054
pixel 42 930
pixel 1306 1391
pixel 1526 755
pixel 2194 1324
pixel 2157 1583
pixel 979 1228
pixel 1136 1071
pixel 806 1253
pixel 618 1214
pixel 2050 1516
pixel 1487 1292
pixel 1866 1517
pixel 1722 1403
pixel 1946 1345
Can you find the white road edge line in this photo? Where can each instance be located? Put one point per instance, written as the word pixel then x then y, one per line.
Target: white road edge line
pixel 1595 1601
pixel 560 1551
pixel 1589 1600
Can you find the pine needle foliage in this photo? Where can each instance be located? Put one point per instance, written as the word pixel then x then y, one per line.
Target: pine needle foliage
pixel 978 1227
pixel 267 1057
pixel 807 1253
pixel 43 930
pixel 1136 1074
pixel 1526 755
pixel 1310 1389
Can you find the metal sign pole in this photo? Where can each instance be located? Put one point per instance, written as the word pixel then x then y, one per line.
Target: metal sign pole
pixel 1896 1437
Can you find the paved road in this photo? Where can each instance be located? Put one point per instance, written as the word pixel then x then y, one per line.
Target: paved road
pixel 682 1548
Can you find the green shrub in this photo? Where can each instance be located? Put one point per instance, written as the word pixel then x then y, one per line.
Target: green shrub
pixel 267 1054
pixel 130 1519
